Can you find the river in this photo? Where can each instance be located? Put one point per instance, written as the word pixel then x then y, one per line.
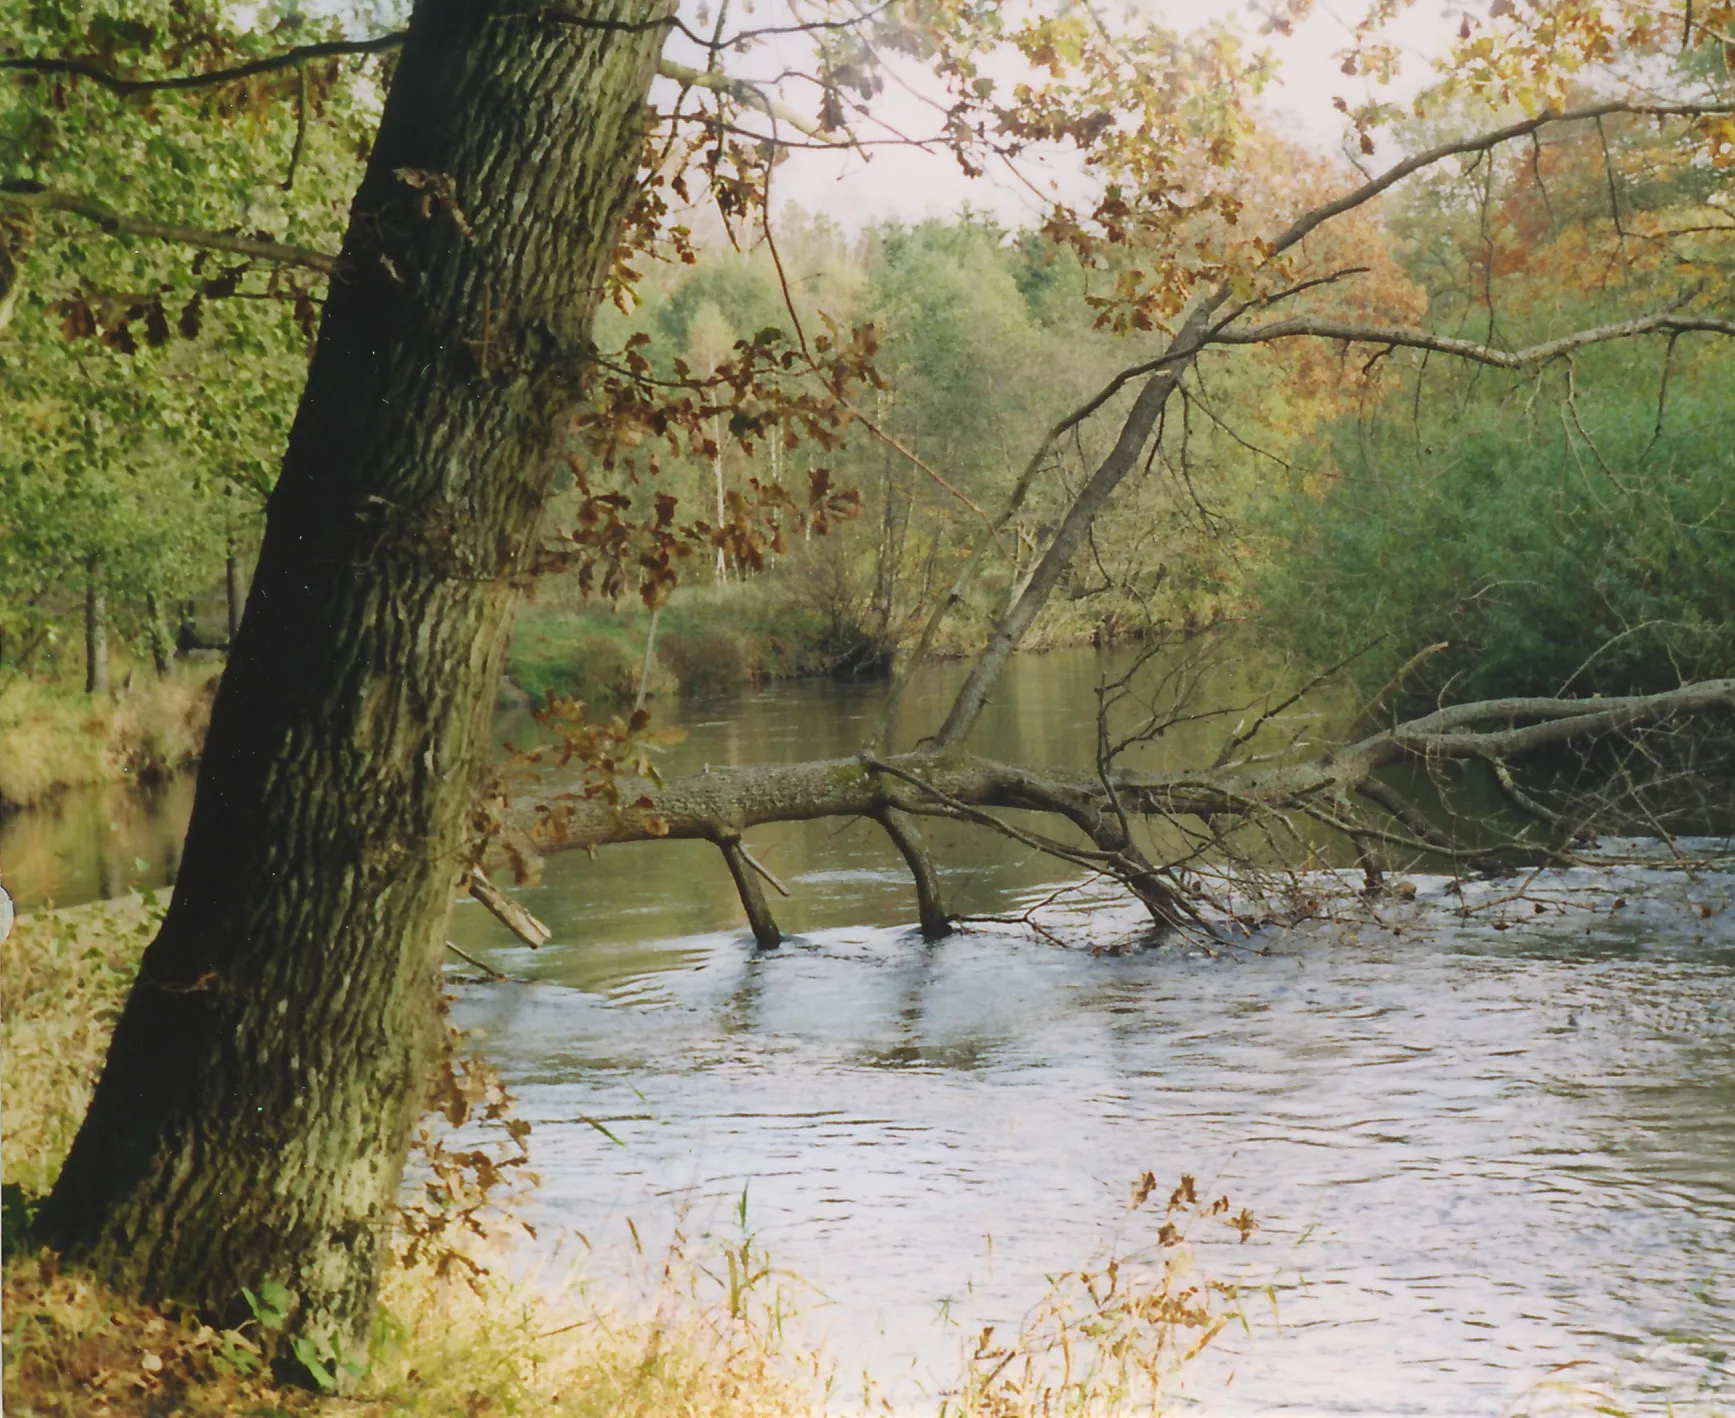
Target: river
pixel 1479 1147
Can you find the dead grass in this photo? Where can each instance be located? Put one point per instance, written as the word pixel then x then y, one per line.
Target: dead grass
pixel 53 738
pixel 75 1350
pixel 63 978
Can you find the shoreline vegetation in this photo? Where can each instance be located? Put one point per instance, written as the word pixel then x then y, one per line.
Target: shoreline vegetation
pixel 143 732
pixel 704 1338
pixel 707 642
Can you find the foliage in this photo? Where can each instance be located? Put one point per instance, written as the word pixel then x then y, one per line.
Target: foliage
pixel 130 443
pixel 1546 557
pixel 592 657
pixel 1559 527
pixel 52 739
pixel 74 1349
pixel 1115 1338
pixel 66 975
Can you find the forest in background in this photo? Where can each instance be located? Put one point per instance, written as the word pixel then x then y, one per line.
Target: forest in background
pixel 1558 527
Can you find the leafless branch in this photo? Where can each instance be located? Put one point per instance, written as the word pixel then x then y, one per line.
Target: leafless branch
pixel 1665 323
pixel 34 197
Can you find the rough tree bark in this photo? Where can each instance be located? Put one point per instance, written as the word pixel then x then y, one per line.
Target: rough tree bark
pixel 252 1118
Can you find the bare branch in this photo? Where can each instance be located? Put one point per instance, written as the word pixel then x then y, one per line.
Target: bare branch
pixel 1662 323
pixel 1482 143
pixel 32 197
pixel 743 92
pixel 180 83
pixel 507 911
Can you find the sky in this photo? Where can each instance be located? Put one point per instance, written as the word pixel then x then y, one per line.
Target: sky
pixel 910 185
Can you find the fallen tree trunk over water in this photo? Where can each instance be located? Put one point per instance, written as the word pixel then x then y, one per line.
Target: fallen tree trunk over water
pixel 1338 789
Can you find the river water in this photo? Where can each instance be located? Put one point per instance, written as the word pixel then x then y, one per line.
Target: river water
pixel 1492 1154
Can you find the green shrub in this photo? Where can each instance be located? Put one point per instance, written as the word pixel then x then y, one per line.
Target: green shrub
pixel 707 659
pixel 588 659
pixel 1546 558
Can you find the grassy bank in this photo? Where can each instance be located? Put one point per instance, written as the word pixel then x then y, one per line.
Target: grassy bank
pixel 75 1350
pixel 708 639
pixel 705 1340
pixel 714 639
pixel 53 737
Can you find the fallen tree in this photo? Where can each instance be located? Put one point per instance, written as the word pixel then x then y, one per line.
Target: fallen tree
pixel 1339 789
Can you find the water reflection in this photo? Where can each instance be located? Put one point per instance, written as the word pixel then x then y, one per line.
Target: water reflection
pixel 94 843
pixel 1476 1155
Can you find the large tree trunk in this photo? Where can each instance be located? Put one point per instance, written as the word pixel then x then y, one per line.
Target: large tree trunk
pixel 252 1119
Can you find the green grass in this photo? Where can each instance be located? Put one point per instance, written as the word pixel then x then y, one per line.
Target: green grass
pixel 709 640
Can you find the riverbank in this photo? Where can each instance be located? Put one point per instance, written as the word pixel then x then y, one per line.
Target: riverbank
pixel 53 738
pixel 709 640
pixel 699 1330
pixel 713 640
pixel 74 1349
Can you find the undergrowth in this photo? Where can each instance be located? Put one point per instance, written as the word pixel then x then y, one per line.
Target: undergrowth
pixel 53 738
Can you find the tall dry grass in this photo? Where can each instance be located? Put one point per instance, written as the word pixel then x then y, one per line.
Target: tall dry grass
pixel 74 1349
pixel 53 738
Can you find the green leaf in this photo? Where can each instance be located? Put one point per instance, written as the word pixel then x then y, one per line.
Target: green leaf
pixel 604 1131
pixel 308 1353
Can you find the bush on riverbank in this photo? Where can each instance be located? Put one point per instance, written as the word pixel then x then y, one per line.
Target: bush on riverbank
pixel 708 641
pixel 1545 557
pixel 53 738
pixel 714 639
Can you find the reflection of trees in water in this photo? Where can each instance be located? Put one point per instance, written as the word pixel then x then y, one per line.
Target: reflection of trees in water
pixel 88 843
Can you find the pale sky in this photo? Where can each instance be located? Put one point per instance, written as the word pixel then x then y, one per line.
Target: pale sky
pixel 910 185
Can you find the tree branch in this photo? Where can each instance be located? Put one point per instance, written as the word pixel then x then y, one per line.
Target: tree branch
pixel 180 83
pixel 1481 143
pixel 717 82
pixel 746 93
pixel 1392 335
pixel 507 911
pixel 961 785
pixel 930 903
pixel 32 197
